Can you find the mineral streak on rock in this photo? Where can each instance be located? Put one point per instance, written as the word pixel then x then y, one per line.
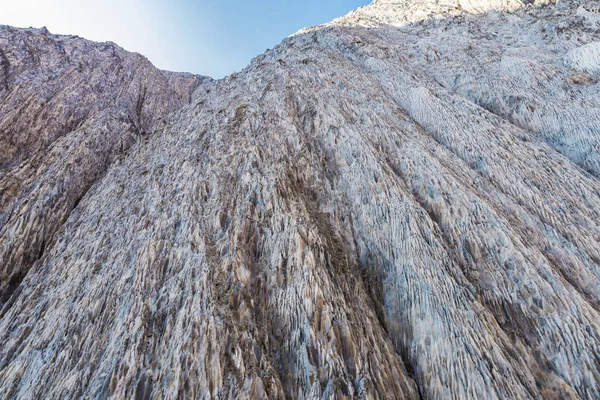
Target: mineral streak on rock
pixel 402 203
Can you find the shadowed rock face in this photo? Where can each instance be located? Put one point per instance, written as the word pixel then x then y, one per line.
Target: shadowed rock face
pixel 68 108
pixel 403 203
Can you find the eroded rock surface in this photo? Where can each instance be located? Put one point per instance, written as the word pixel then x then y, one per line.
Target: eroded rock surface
pixel 68 108
pixel 403 203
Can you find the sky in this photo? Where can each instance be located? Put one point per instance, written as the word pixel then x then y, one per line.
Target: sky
pixel 207 37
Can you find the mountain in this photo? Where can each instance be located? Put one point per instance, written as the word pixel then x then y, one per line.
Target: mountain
pixel 69 109
pixel 401 203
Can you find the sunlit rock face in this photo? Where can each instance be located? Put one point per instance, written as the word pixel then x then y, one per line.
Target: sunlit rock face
pixel 401 12
pixel 403 203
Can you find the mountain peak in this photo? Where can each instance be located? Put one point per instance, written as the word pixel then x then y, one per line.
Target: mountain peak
pixel 399 12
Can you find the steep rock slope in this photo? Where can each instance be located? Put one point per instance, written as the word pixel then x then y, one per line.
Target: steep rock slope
pixel 68 108
pixel 537 68
pixel 342 219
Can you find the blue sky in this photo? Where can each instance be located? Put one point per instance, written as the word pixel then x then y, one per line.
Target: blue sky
pixel 208 37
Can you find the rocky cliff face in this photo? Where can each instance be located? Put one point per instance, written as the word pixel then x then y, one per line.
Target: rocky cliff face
pixel 402 203
pixel 68 109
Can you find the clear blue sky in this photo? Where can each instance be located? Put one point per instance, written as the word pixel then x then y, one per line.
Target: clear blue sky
pixel 208 37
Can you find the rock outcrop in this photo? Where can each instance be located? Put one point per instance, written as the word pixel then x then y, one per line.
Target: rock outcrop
pixel 402 203
pixel 68 109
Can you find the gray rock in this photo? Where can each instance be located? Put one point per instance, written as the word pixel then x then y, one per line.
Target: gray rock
pixel 402 203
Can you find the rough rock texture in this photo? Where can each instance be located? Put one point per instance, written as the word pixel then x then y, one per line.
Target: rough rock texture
pixel 537 68
pixel 68 108
pixel 403 203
